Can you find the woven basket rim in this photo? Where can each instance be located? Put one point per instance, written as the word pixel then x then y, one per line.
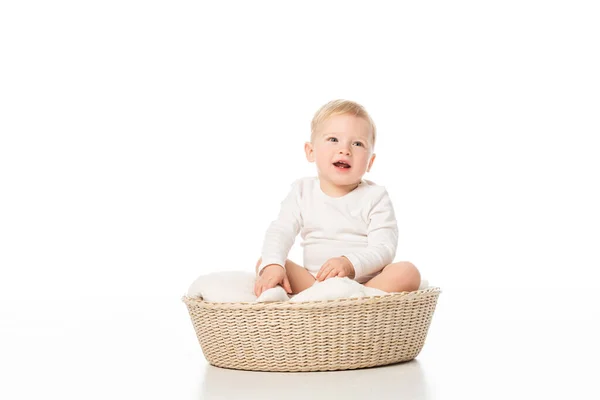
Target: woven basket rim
pixel 389 297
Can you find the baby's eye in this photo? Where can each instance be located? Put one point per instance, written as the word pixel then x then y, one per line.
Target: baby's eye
pixel 360 143
pixel 332 138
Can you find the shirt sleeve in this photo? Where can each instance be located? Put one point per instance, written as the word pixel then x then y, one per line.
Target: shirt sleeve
pixel 382 239
pixel 281 233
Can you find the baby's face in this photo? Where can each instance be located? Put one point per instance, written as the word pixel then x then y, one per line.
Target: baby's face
pixel 342 137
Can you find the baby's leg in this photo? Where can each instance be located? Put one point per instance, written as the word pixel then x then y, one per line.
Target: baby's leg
pixel 298 276
pixel 397 277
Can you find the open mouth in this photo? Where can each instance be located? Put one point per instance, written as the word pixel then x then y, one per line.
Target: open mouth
pixel 341 164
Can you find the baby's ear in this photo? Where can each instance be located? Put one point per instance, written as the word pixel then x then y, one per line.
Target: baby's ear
pixel 308 149
pixel 371 162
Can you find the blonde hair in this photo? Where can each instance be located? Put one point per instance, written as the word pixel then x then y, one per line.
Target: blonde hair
pixel 339 107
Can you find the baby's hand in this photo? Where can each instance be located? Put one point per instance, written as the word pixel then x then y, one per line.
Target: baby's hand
pixel 271 276
pixel 337 266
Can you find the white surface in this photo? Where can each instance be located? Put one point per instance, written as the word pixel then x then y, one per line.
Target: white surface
pixel 518 346
pixel 138 139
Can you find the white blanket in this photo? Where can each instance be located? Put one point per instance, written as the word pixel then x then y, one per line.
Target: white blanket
pixel 238 286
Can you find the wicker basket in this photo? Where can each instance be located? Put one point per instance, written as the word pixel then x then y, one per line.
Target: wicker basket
pixel 314 335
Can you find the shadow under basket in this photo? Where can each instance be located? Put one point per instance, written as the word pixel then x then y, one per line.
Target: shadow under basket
pixel 323 335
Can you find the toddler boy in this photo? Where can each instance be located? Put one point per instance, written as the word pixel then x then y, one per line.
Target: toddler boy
pixel 347 223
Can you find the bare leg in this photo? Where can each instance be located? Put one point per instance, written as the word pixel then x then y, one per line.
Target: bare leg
pixel 397 277
pixel 299 277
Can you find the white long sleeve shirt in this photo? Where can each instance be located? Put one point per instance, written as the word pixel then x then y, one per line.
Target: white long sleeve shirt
pixel 360 225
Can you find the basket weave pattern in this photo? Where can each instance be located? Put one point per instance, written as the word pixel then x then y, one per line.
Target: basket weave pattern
pixel 315 335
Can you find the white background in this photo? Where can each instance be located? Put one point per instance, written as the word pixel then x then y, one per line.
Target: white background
pixel 144 143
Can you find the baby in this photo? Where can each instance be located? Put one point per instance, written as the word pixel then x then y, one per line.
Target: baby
pixel 347 223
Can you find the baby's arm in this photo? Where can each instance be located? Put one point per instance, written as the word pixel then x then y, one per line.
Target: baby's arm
pixel 382 239
pixel 282 232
